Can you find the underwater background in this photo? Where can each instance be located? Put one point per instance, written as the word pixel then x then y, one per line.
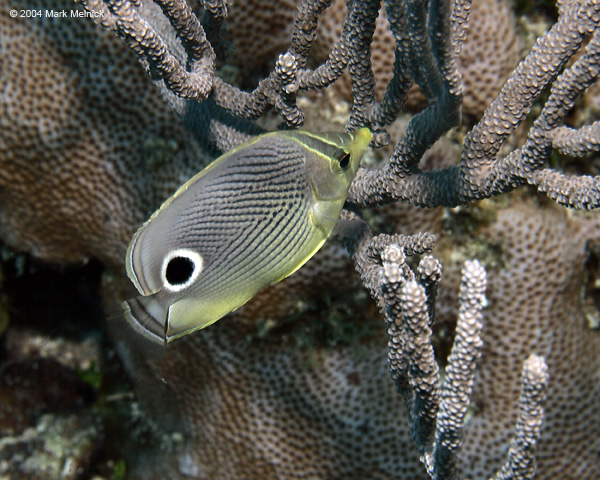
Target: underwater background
pixel 296 383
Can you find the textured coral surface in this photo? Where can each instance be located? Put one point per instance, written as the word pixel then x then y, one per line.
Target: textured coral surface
pixel 83 135
pixel 259 408
pixel 535 306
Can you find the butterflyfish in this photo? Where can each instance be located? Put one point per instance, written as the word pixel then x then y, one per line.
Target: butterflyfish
pixel 251 218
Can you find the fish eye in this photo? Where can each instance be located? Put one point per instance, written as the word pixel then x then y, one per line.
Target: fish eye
pixel 343 158
pixel 180 268
pixel 345 161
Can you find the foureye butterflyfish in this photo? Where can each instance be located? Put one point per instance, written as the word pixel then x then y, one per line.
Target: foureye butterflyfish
pixel 251 218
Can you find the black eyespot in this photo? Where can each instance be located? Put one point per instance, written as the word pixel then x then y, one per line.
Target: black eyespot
pixel 343 158
pixel 179 270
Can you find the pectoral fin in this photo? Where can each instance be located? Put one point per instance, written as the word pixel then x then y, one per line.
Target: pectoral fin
pixel 349 228
pixel 337 226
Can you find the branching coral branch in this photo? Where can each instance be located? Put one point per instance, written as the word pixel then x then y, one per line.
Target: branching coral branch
pixel 460 372
pixel 576 142
pixel 422 372
pixel 366 252
pixel 397 89
pixel 429 274
pixel 195 81
pixel 280 87
pixel 198 81
pixel 482 172
pixel 215 13
pixel 520 464
pixel 362 20
pixel 549 131
pixel 436 410
pixel 428 35
pixel 460 23
pixel 434 69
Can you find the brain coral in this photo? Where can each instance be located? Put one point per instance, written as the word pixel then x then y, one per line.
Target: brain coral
pixel 95 130
pixel 256 407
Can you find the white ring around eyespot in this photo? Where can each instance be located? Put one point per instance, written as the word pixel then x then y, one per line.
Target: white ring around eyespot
pixel 195 258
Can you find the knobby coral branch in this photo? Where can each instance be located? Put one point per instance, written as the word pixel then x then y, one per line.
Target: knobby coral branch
pixel 197 80
pixel 520 464
pixel 429 274
pixel 460 23
pixel 422 395
pixel 436 410
pixel 193 82
pixel 215 13
pixel 428 36
pixel 483 172
pixel 363 18
pixel 576 142
pixel 397 89
pixel 366 252
pixel 456 391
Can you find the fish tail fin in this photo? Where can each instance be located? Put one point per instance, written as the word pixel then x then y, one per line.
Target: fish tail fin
pixel 146 317
pixel 131 341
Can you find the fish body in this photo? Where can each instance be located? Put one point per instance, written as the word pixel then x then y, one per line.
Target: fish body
pixel 251 218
